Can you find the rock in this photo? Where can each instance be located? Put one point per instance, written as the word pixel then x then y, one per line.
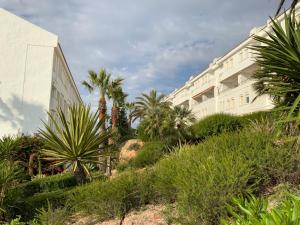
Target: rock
pixel 130 149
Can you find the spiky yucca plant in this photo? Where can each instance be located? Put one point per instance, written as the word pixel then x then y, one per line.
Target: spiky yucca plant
pixel 74 140
pixel 278 58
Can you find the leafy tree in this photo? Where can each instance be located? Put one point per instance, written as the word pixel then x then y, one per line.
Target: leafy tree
pixel 100 81
pixel 74 140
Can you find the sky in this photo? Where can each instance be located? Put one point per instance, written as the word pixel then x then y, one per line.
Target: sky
pixel 152 44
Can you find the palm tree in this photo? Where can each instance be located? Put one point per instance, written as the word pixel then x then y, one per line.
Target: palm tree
pixel 293 5
pixel 183 117
pixel 147 103
pixel 99 81
pixel 118 96
pixel 74 140
pixel 132 112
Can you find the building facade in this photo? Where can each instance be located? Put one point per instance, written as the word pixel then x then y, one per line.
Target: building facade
pixel 34 76
pixel 226 85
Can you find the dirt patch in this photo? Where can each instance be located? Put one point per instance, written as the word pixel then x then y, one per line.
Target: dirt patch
pixel 150 215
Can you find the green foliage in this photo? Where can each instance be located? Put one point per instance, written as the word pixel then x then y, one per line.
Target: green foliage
pixel 149 154
pixel 75 141
pixel 25 198
pixel 259 116
pixel 51 215
pixel 204 178
pixel 253 211
pixel 116 197
pixel 215 125
pixel 278 59
pixel 27 206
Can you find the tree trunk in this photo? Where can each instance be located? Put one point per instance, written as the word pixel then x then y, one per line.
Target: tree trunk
pixel 129 120
pixel 114 120
pixel 102 115
pixel 31 163
pixel 108 166
pixel 102 111
pixel 79 174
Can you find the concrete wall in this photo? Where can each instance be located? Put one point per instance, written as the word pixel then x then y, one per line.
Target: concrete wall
pixel 26 69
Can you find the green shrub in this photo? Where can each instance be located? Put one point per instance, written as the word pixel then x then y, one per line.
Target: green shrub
pixel 150 153
pixel 256 211
pixel 259 116
pixel 27 207
pixel 204 178
pixel 51 216
pixel 215 125
pixel 26 198
pixel 123 165
pixel 116 197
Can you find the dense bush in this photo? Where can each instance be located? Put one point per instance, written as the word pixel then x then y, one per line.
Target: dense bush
pixel 116 197
pixel 259 116
pixel 26 198
pixel 149 154
pixel 215 125
pixel 204 178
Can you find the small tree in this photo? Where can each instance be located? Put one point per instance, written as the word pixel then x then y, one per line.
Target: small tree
pixel 74 140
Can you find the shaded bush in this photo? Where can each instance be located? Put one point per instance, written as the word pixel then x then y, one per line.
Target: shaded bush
pixel 215 125
pixel 26 198
pixel 204 178
pixel 116 197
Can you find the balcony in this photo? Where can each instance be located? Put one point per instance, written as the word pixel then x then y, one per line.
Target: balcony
pixel 204 108
pixel 238 100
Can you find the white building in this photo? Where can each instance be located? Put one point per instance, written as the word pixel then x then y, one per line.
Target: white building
pixel 34 76
pixel 226 85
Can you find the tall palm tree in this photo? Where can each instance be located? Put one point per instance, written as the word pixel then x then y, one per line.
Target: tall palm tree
pixel 293 5
pixel 100 81
pixel 118 96
pixel 74 140
pixel 147 103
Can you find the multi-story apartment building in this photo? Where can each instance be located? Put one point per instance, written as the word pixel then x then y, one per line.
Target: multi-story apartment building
pixel 34 76
pixel 226 85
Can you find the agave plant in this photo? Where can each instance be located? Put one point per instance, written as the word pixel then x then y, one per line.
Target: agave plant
pixel 74 140
pixel 278 58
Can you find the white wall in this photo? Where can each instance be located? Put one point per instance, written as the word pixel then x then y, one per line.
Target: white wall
pixel 26 62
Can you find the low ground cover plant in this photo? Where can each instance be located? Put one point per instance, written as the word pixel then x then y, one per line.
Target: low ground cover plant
pixel 255 211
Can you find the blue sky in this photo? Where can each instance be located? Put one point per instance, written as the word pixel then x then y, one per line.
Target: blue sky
pixel 153 44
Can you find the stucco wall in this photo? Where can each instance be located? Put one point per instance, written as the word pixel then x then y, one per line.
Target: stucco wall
pixel 26 57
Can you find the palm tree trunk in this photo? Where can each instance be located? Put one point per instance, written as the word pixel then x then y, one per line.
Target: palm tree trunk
pixel 102 111
pixel 102 115
pixel 114 120
pixel 79 174
pixel 114 116
pixel 129 120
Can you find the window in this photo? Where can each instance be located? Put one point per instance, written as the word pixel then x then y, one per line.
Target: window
pixel 247 99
